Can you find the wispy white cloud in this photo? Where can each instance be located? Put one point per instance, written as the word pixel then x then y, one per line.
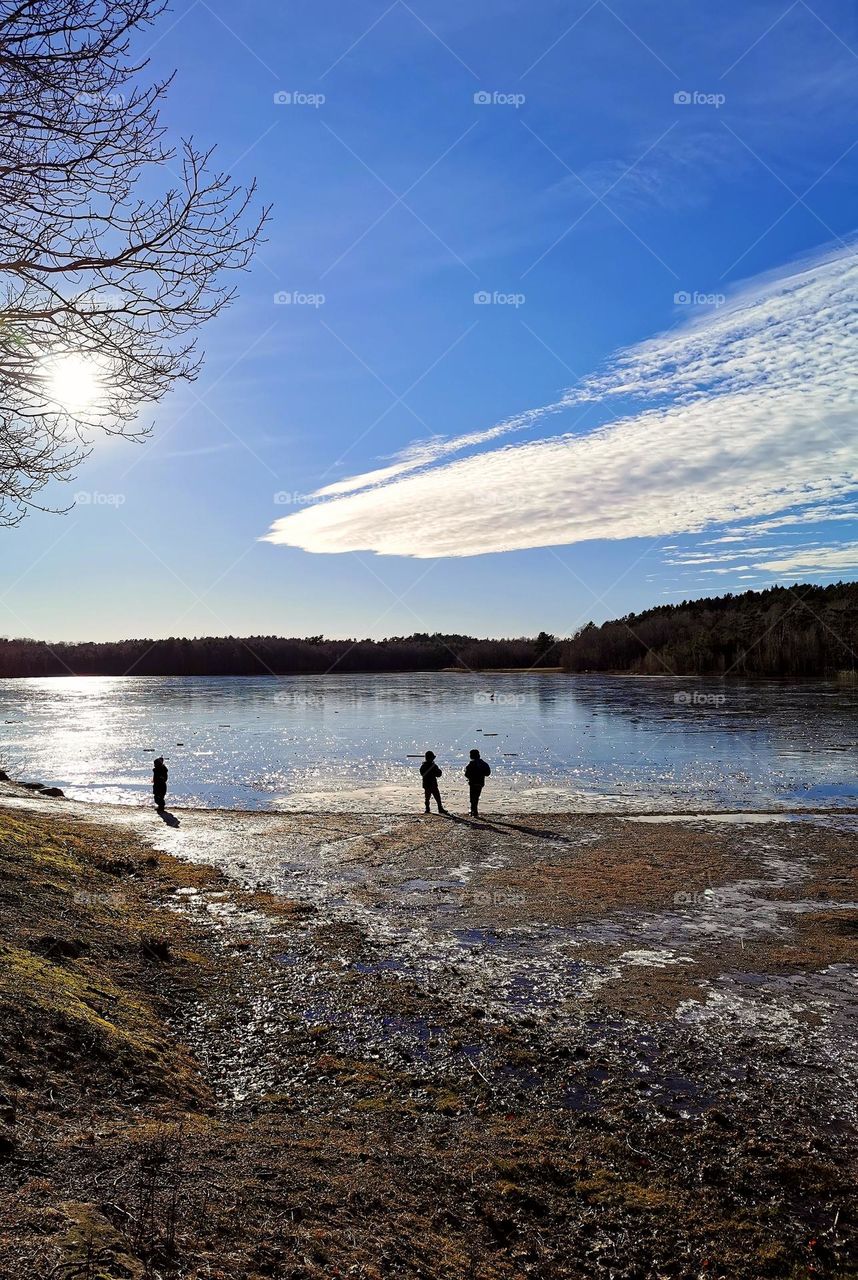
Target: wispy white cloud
pixel 695 557
pixel 743 415
pixel 809 515
pixel 425 452
pixel 843 556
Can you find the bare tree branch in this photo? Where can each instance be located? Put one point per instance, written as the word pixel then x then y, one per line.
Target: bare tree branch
pixel 93 275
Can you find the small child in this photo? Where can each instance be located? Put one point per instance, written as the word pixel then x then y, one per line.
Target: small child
pixel 159 782
pixel 476 771
pixel 430 773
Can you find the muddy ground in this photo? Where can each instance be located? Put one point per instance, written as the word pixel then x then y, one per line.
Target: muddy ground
pixel 292 1046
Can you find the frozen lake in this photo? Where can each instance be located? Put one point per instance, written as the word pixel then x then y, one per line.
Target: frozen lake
pixel 555 742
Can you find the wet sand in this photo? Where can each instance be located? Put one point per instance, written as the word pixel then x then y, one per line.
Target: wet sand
pixel 685 987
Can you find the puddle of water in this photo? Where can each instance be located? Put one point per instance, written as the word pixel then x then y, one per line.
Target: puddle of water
pixel 579 1098
pixel 380 966
pixel 476 937
pixel 417 1035
pixel 738 819
pixel 435 887
pixel 678 1093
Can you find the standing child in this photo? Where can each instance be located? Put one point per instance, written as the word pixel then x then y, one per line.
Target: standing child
pixel 476 771
pixel 159 782
pixel 430 773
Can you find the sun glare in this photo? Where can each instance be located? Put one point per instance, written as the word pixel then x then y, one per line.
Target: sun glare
pixel 73 383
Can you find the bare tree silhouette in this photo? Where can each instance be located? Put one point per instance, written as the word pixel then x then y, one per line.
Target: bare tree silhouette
pixel 102 283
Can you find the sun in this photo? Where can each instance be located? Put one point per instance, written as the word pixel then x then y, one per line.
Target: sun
pixel 73 383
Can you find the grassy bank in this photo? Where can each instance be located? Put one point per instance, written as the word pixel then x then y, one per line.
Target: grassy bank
pixel 127 1151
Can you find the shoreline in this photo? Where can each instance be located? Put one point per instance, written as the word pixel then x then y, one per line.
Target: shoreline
pixel 14 788
pixel 846 679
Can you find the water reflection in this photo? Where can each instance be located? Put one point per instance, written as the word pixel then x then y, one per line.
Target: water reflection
pixel 555 742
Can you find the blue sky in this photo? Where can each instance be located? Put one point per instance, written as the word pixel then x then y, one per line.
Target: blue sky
pixel 624 230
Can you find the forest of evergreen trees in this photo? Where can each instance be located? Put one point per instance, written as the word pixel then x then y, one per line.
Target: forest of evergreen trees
pixel 270 655
pixel 784 631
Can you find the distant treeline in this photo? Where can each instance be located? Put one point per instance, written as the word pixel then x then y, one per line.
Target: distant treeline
pixel 784 631
pixel 271 655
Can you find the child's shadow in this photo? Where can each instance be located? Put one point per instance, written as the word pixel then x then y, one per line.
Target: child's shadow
pixel 479 824
pixel 170 818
